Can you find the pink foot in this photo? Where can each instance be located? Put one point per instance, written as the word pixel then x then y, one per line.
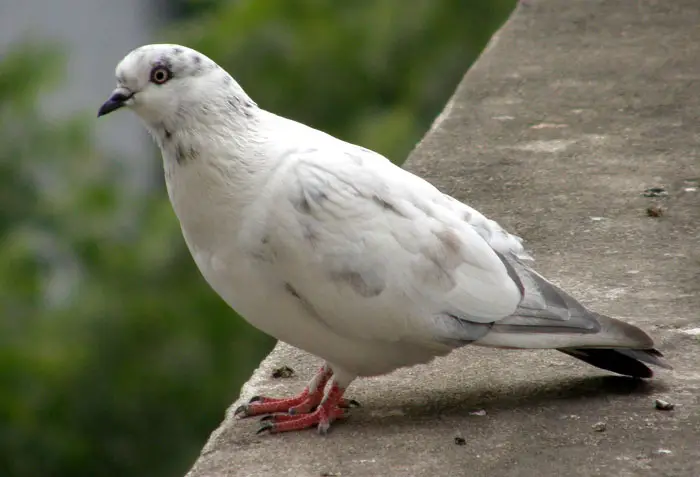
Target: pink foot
pixel 260 405
pixel 330 409
pixel 304 403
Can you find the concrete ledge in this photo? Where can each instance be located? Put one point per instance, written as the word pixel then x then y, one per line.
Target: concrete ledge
pixel 574 110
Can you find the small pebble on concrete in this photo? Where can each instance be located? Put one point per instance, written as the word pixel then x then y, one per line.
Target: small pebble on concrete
pixel 283 372
pixel 662 405
pixel 655 211
pixel 600 426
pixel 655 192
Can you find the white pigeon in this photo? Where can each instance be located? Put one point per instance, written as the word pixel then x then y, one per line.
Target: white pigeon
pixel 333 249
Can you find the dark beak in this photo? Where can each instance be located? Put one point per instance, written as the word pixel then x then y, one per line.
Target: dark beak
pixel 116 101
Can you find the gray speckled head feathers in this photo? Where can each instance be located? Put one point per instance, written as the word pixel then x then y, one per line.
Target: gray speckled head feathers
pixel 172 87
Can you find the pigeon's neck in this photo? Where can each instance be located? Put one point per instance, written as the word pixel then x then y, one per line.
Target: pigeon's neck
pixel 220 123
pixel 213 173
pixel 219 114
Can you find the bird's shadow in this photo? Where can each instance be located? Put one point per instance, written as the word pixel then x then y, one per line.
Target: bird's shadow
pixel 500 397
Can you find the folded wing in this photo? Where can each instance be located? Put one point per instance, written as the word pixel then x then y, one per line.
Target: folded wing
pixel 382 255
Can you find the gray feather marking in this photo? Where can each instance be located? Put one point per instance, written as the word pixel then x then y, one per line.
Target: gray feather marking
pixel 459 331
pixel 386 205
pixel 545 308
pixel 310 197
pixel 306 304
pixel 533 325
pixel 185 154
pixel 367 285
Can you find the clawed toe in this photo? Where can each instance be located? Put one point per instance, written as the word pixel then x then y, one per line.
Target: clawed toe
pixel 321 418
pixel 349 403
pixel 261 405
pixel 267 426
pixel 241 411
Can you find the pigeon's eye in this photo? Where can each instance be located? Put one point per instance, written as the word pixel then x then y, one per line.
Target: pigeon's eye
pixel 160 74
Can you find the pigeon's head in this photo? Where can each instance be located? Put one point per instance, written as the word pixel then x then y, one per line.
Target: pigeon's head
pixel 169 84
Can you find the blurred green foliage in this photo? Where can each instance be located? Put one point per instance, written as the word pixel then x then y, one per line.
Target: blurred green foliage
pixel 116 359
pixel 373 72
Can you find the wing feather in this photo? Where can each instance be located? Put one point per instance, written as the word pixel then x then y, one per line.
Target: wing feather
pixel 382 254
pixel 379 254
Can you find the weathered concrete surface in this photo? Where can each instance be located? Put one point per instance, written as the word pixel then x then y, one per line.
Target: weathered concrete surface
pixel 576 108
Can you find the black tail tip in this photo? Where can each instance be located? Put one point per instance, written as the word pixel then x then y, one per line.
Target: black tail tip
pixel 628 362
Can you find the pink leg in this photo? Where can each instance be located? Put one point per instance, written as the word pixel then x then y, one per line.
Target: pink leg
pixel 327 411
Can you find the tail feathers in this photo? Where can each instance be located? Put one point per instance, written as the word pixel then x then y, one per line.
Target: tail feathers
pixel 548 317
pixel 629 362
